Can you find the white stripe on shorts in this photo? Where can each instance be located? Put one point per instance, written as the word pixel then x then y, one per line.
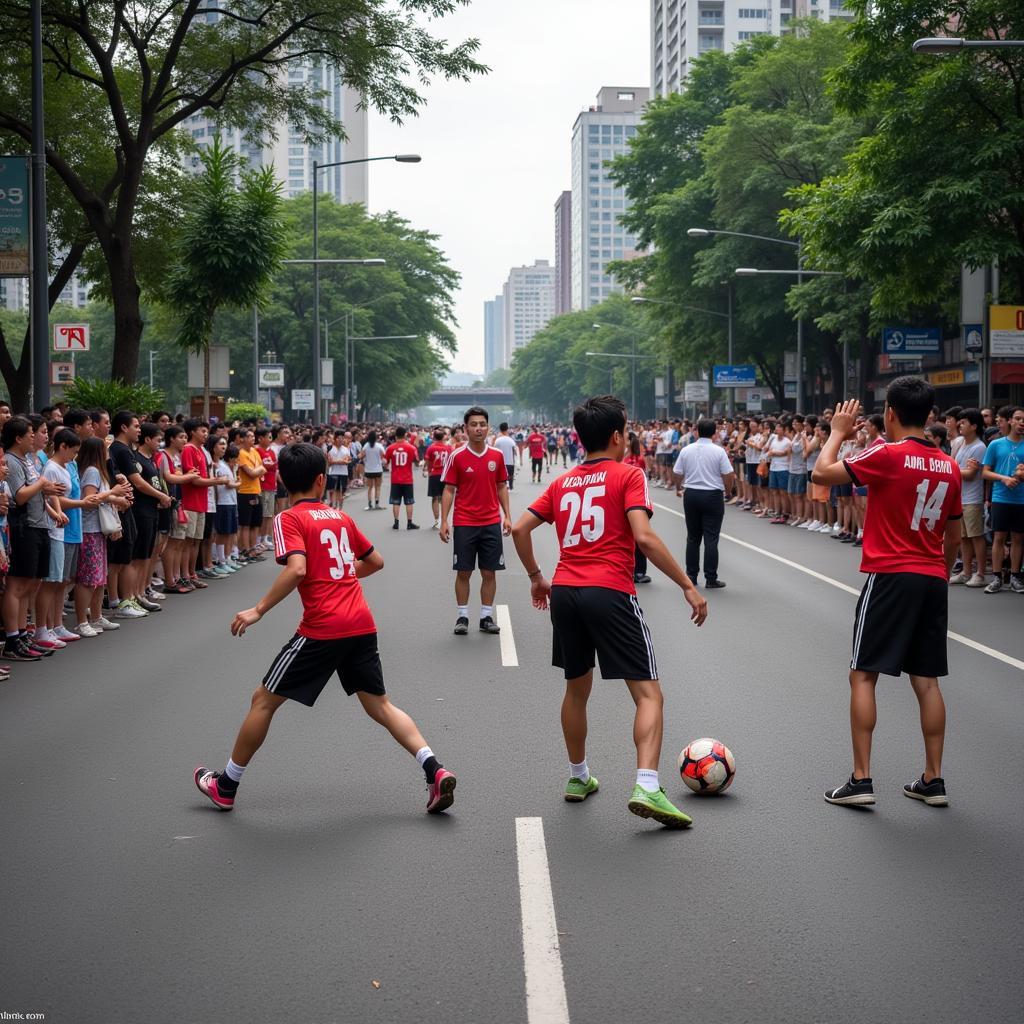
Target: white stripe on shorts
pixel 862 618
pixel 652 665
pixel 284 659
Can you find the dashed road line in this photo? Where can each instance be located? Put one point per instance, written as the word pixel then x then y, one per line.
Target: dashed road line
pixel 958 637
pixel 542 958
pixel 509 658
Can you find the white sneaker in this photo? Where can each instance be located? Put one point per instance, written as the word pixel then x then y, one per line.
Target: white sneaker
pixel 977 580
pixel 64 634
pixel 103 624
pixel 837 529
pixel 84 629
pixel 368 509
pixel 825 528
pixel 958 577
pixel 815 525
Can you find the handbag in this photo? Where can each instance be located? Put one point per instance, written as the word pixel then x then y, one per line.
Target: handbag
pixel 110 521
pixel 762 468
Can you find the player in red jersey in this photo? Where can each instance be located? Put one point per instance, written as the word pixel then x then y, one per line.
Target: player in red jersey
pixel 538 446
pixel 476 482
pixel 601 510
pixel 324 555
pixel 911 535
pixel 434 460
pixel 400 457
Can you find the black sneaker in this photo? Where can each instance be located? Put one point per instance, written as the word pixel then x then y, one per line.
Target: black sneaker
pixel 641 577
pixel 394 525
pixel 488 625
pixel 854 791
pixel 18 651
pixel 932 793
pixel 411 526
pixel 461 626
pixel 714 584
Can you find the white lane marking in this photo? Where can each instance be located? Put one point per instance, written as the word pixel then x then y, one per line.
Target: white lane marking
pixel 509 658
pixel 958 637
pixel 542 958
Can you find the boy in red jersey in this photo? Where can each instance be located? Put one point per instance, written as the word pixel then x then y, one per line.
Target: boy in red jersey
pixel 324 555
pixel 434 459
pixel 911 535
pixel 538 446
pixel 400 457
pixel 475 481
pixel 601 510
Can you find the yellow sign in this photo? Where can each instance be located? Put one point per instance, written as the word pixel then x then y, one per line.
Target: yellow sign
pixel 1006 330
pixel 946 378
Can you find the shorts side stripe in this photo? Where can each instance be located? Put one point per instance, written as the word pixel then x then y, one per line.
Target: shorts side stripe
pixel 859 632
pixel 284 659
pixel 651 663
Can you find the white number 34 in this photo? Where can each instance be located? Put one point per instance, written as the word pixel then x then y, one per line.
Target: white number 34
pixel 339 549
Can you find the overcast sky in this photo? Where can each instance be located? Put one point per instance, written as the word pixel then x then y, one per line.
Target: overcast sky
pixel 496 151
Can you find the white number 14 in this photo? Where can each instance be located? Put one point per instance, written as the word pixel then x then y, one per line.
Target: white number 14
pixel 929 508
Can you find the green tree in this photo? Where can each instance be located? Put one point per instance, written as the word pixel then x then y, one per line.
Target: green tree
pixel 940 180
pixel 123 79
pixel 231 242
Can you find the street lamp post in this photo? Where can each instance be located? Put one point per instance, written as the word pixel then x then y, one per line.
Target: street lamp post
pixel 633 357
pixel 402 158
pixel 705 232
pixel 953 44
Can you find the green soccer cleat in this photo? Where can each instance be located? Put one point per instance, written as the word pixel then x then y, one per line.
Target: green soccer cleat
pixel 645 804
pixel 577 790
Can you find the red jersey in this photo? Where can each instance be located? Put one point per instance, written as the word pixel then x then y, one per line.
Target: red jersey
pixel 913 489
pixel 538 445
pixel 588 506
pixel 435 456
pixel 193 497
pixel 476 478
pixel 269 459
pixel 635 460
pixel 333 605
pixel 401 457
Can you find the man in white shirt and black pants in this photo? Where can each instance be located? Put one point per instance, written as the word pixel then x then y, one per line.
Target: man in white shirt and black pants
pixel 704 470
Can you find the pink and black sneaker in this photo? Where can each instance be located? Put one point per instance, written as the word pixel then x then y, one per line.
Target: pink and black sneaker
pixel 442 792
pixel 206 783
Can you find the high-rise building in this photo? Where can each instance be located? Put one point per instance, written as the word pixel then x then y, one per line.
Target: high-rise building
pixel 563 253
pixel 14 293
pixel 291 157
pixel 494 334
pixel 600 134
pixel 681 30
pixel 529 301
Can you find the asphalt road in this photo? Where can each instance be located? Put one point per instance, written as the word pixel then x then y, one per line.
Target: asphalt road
pixel 127 898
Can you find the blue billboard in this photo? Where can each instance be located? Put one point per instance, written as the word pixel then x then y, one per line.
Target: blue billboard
pixel 742 376
pixel 911 341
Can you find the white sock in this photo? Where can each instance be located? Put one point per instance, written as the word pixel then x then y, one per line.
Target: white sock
pixel 234 771
pixel 463 611
pixel 422 754
pixel 648 779
pixel 486 610
pixel 580 771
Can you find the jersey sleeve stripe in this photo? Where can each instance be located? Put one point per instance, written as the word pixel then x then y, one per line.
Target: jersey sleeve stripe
pixel 283 559
pixel 641 508
pixel 278 533
pixel 849 469
pixel 365 554
pixel 538 515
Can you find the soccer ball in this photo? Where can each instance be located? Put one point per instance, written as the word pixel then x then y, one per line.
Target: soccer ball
pixel 707 766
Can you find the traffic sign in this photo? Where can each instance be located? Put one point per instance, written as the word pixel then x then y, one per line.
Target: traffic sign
pixel 303 398
pixel 1006 331
pixel 754 401
pixel 70 337
pixel 911 341
pixel 974 337
pixel 271 375
pixel 742 376
pixel 696 391
pixel 62 373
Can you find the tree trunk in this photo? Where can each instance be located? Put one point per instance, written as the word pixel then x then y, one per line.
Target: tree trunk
pixel 16 377
pixel 206 382
pixel 124 294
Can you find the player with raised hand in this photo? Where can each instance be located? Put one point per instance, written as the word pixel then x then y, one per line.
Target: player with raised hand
pixel 324 555
pixel 601 512
pixel 911 536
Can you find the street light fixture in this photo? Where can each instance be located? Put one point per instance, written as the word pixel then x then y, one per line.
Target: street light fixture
pixel 953 44
pixel 402 158
pixel 705 232
pixel 624 355
pixel 757 271
pixel 731 401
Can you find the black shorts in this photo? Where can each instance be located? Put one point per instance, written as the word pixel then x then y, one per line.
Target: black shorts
pixel 609 623
pixel 250 510
pixel 1007 517
pixel 434 486
pixel 208 524
pixel 477 543
pixel 510 469
pixel 30 550
pixel 304 665
pixel 402 493
pixel 163 520
pixel 280 492
pixel 900 625
pixel 119 552
pixel 334 482
pixel 372 476
pixel 145 536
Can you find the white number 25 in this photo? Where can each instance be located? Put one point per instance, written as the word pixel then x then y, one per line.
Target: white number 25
pixel 589 516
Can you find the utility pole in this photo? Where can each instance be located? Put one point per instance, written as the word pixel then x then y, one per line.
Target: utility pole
pixel 39 377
